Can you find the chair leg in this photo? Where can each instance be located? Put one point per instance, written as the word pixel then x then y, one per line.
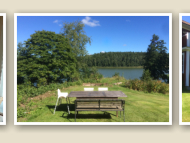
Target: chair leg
pixel 68 109
pixel 55 106
pixel 59 101
pixel 120 114
pixel 67 106
pixel 69 100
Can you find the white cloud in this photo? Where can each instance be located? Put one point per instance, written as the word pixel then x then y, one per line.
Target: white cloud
pixel 128 20
pixel 125 45
pixel 89 22
pixel 102 52
pixel 56 21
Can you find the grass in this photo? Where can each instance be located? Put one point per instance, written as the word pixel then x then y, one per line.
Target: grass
pixel 139 107
pixel 185 105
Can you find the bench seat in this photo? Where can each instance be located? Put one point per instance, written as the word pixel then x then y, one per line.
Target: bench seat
pixel 99 105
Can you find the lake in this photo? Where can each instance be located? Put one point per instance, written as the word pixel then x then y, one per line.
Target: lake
pixel 128 73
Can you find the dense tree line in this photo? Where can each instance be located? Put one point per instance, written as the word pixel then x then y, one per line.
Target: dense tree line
pixel 115 59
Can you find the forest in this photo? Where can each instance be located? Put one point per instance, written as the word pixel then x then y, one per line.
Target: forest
pixel 115 59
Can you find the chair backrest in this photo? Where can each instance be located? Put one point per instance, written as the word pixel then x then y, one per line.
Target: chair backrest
pixel 62 94
pixel 88 89
pixel 102 89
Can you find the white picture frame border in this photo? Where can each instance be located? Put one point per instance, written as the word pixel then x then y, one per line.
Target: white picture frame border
pixel 180 68
pixel 4 68
pixel 92 14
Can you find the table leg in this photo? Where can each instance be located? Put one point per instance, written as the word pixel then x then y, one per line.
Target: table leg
pixel 75 115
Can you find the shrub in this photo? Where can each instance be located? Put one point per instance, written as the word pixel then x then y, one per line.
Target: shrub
pixel 146 76
pixel 164 88
pixel 25 91
pixel 148 86
pixel 79 82
pixel 115 74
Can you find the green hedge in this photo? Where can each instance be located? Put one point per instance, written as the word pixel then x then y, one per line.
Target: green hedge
pixel 23 91
pixel 148 86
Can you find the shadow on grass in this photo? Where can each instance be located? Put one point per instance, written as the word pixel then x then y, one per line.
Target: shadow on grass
pixel 81 114
pixel 61 107
pixel 123 85
pixel 185 90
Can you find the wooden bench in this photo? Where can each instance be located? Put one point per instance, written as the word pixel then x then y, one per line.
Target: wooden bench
pixel 100 105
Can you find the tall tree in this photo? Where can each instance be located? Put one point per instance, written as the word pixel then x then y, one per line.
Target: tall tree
pixel 78 39
pixel 157 59
pixel 47 58
pixel 20 49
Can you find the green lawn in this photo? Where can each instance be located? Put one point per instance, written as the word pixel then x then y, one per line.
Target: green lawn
pixel 139 107
pixel 185 105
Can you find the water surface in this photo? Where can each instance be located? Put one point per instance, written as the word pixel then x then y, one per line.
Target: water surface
pixel 128 73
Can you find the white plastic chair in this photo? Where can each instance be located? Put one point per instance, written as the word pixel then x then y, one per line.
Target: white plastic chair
pixel 102 89
pixel 62 94
pixel 88 89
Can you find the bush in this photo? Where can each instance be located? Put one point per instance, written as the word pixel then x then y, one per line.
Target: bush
pixel 25 91
pixel 146 76
pixel 115 74
pixel 148 86
pixel 79 82
pixel 90 75
pixel 164 88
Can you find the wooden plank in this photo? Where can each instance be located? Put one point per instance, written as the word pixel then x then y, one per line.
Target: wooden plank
pixel 96 94
pixel 99 110
pixel 98 98
pixel 99 104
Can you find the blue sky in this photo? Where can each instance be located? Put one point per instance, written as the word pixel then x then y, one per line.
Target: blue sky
pixel 186 18
pixel 108 33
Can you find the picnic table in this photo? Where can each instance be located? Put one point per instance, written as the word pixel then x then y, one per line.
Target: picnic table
pixel 95 97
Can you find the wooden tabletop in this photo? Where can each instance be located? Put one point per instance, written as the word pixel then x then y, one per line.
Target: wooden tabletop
pixel 96 94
